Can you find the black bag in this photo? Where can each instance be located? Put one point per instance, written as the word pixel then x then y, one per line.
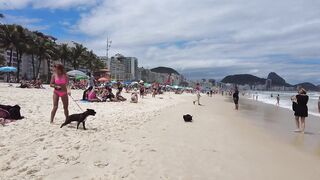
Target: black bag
pixel 187 118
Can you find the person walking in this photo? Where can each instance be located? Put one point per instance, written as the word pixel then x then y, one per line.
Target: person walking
pixel 236 98
pixel 278 100
pixel 301 110
pixel 198 91
pixel 59 81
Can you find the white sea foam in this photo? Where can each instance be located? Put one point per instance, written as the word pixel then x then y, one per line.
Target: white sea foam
pixel 285 99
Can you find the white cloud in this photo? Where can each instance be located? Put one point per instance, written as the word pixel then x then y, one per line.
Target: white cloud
pixel 215 37
pixel 188 34
pixel 30 23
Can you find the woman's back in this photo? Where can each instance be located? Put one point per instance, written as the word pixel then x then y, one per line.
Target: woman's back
pixel 302 99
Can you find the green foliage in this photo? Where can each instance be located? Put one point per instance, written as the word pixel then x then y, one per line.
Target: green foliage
pixel 43 47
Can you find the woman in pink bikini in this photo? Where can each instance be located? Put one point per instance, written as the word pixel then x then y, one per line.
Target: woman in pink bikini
pixel 59 81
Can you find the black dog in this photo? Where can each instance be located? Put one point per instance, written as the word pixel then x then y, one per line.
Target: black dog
pixel 80 118
pixel 14 111
pixel 187 118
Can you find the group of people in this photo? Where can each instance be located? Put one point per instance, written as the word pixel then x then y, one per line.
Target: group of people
pixel 59 82
pixel 35 83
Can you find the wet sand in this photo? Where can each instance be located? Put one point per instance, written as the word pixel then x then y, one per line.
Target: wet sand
pixel 281 123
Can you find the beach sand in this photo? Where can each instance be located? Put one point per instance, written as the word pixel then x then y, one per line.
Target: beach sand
pixel 148 140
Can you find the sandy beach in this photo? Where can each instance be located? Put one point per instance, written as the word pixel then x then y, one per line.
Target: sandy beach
pixel 149 140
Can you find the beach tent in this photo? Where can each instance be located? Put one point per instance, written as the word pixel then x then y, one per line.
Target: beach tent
pixel 8 69
pixel 76 73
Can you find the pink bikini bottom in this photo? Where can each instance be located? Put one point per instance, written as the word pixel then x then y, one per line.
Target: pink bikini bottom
pixel 60 93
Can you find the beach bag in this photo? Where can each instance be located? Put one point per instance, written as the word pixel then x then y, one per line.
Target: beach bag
pixel 4 114
pixel 187 118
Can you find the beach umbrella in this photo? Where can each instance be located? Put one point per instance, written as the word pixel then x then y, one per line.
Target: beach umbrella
pixel 147 85
pixel 76 73
pixel 82 77
pixel 8 69
pixel 134 83
pixel 103 79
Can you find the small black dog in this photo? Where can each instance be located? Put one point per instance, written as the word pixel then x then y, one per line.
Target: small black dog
pixel 80 118
pixel 187 118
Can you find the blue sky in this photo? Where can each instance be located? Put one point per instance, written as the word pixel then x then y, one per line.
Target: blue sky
pixel 201 39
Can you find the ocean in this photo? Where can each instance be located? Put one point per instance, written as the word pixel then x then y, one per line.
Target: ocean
pixel 285 99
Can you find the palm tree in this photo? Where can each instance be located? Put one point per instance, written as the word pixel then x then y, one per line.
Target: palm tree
pixel 77 53
pixel 21 45
pixel 64 53
pixel 32 50
pixel 44 49
pixel 8 38
pixel 92 62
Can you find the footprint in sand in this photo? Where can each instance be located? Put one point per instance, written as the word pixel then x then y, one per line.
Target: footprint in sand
pixel 100 164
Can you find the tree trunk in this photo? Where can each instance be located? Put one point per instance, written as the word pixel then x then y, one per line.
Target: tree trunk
pixel 9 64
pixel 10 60
pixel 39 65
pixel 33 67
pixel 49 71
pixel 19 56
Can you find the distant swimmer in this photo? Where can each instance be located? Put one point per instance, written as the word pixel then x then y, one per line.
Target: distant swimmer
pixel 278 100
pixel 319 104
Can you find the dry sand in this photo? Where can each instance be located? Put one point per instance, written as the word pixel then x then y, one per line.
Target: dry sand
pixel 148 140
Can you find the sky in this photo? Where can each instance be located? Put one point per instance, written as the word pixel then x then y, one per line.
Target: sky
pixel 199 38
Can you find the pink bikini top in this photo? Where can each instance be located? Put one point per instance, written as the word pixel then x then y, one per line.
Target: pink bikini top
pixel 60 81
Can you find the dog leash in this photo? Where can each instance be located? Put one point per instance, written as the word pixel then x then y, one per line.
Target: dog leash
pixel 76 103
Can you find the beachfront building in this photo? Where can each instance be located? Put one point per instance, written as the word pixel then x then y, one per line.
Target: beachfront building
pixel 122 68
pixel 131 68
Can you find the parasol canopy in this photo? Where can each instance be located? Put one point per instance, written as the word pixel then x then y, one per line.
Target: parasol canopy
pixel 103 79
pixel 8 69
pixel 76 73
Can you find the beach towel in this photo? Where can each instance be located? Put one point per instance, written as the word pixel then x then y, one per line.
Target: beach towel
pixel 14 111
pixel 4 114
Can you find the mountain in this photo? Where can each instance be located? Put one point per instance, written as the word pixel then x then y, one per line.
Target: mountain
pixel 243 79
pixel 308 86
pixel 277 80
pixel 166 70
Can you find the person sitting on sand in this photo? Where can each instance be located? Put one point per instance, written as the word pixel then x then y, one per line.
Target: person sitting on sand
pixel 110 96
pixel 134 96
pixel 119 97
pixel 86 93
pixel 92 96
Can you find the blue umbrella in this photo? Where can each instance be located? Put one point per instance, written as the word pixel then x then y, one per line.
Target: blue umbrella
pixel 8 69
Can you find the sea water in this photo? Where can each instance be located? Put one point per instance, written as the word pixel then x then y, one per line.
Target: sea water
pixel 285 99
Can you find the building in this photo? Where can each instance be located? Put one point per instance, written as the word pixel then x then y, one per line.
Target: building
pixel 131 68
pixel 122 68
